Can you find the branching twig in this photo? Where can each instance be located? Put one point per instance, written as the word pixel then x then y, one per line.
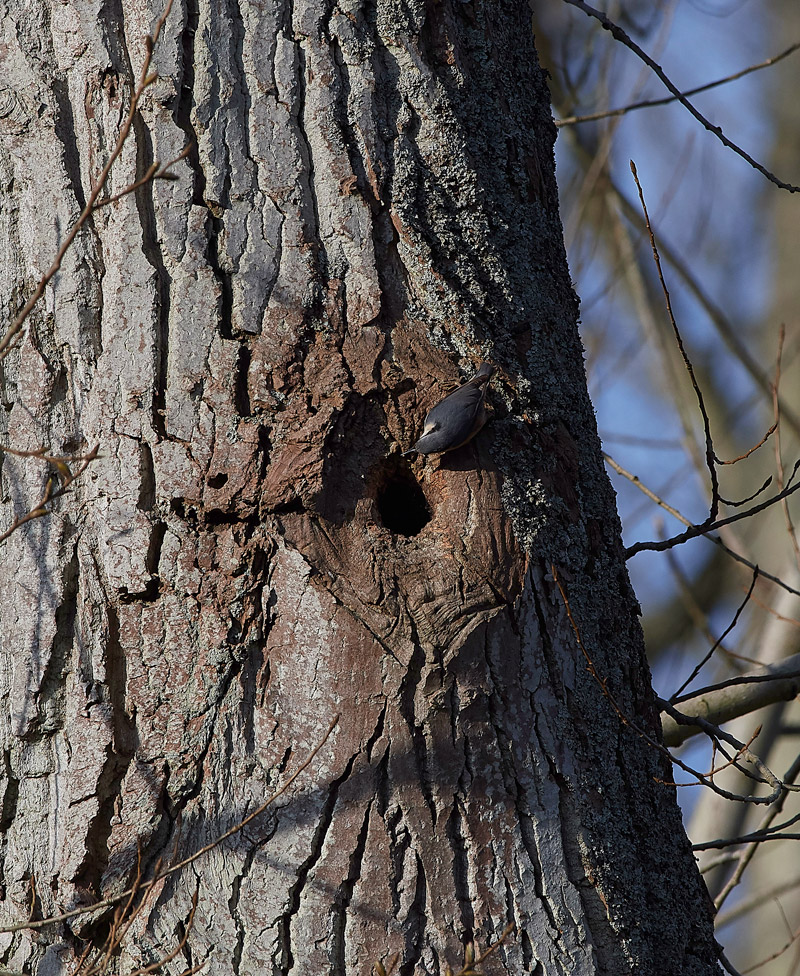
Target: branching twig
pixel 727 331
pixel 742 748
pixel 145 80
pixel 705 779
pixel 694 531
pixel 653 102
pixel 66 474
pixel 156 966
pixel 116 899
pixel 619 35
pixel 471 961
pixel 764 830
pixel 637 482
pixel 710 455
pixel 124 917
pixel 676 696
pixel 156 171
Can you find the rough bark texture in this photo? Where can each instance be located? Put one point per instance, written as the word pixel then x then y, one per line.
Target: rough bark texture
pixel 369 211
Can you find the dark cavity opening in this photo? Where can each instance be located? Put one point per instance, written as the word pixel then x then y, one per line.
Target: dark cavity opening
pixel 402 505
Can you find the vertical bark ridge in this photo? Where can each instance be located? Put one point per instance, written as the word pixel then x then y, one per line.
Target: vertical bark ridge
pixel 368 212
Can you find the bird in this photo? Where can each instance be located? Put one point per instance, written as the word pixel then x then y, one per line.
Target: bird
pixel 456 419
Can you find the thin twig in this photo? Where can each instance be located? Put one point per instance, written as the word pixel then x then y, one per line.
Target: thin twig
pixel 764 831
pixel 788 668
pixel 637 482
pixel 653 102
pixel 676 696
pixel 154 172
pixel 116 899
pixel 730 761
pixel 145 79
pixel 471 962
pixel 710 455
pixel 50 491
pixel 619 35
pixel 155 966
pixel 694 531
pixel 767 775
pixel 742 748
pixel 749 498
pixel 753 449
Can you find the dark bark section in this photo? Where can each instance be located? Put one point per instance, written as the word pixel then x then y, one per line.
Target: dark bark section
pixel 370 212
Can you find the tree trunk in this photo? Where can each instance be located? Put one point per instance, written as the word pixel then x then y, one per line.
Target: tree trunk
pixel 368 212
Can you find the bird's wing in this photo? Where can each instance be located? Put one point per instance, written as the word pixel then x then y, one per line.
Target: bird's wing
pixel 469 398
pixel 469 395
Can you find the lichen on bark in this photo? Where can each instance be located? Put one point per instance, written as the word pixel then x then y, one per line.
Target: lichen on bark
pixel 368 211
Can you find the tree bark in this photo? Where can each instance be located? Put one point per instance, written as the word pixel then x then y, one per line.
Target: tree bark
pixel 368 211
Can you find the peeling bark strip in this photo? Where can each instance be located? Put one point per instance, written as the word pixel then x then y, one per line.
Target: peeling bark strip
pixel 368 212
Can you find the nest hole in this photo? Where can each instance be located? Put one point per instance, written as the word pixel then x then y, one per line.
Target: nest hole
pixel 402 505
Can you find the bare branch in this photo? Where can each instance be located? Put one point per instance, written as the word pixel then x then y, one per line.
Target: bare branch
pixel 705 527
pixel 154 172
pixel 739 695
pixel 145 79
pixel 753 449
pixel 710 455
pixel 65 473
pixel 676 696
pixel 749 498
pixel 635 480
pixel 619 35
pixel 653 102
pixel 742 750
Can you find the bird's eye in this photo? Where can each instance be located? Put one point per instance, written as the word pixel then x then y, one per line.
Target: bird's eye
pixel 429 429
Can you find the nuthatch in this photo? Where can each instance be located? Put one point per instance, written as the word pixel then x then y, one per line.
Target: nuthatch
pixel 457 418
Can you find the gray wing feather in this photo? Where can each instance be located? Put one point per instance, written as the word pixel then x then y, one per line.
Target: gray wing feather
pixel 458 410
